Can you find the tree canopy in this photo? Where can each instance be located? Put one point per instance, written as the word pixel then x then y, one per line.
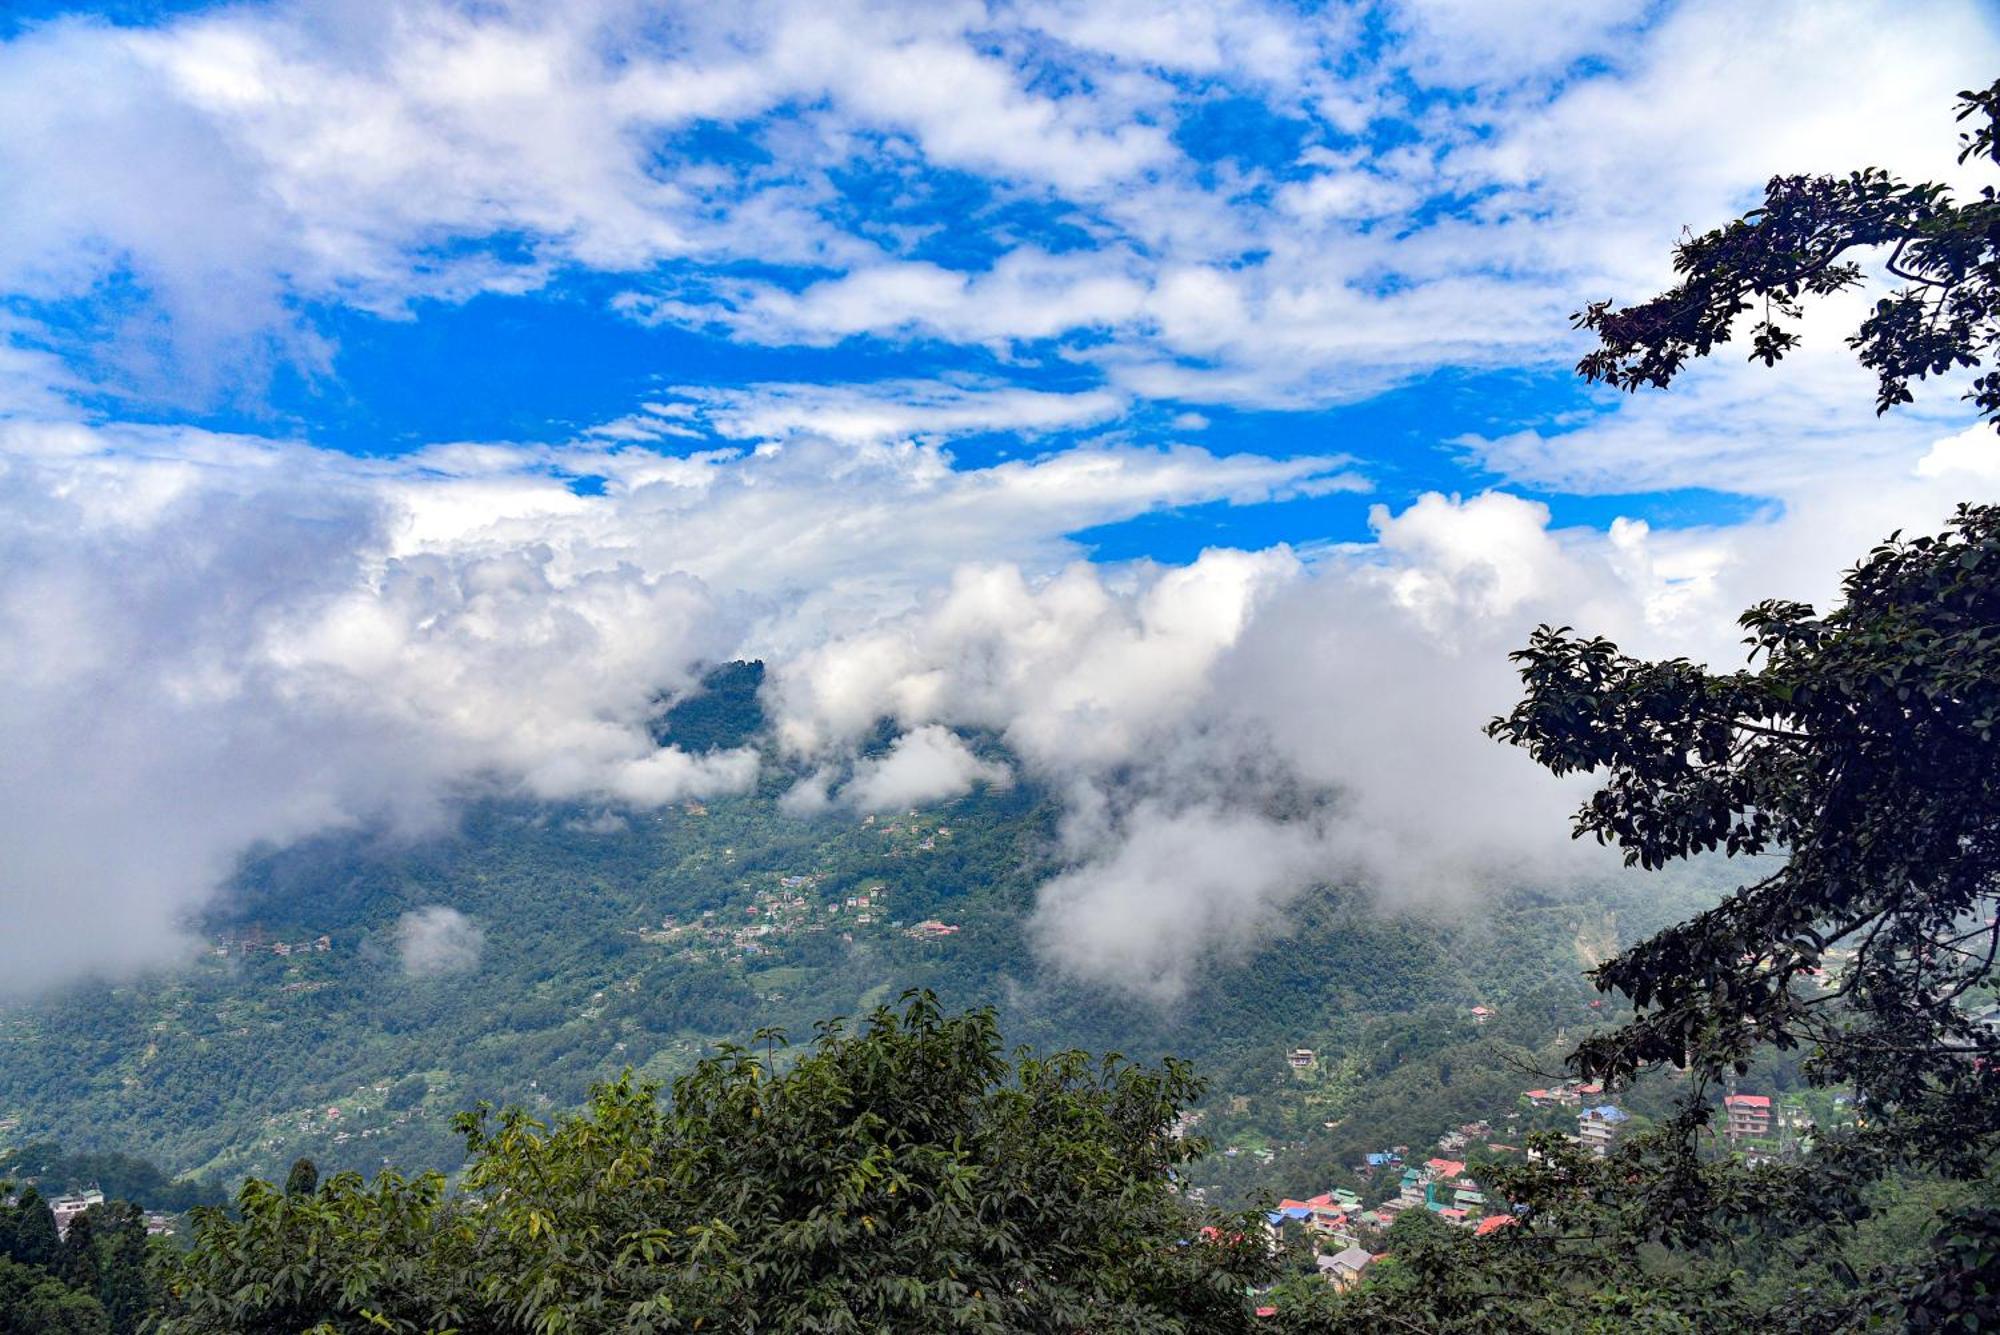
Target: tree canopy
pixel 1855 756
pixel 903 1176
pixel 1799 244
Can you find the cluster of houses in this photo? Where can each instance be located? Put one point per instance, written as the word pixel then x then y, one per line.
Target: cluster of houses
pixel 774 913
pixel 327 1121
pixel 1339 1226
pixel 1338 1223
pixel 1439 1185
pixel 785 907
pixel 1752 1125
pixel 255 944
pixel 926 842
pixel 1598 1125
pixel 1569 1094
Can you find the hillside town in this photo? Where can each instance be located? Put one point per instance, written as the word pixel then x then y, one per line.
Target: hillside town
pixel 1341 1226
pixel 785 908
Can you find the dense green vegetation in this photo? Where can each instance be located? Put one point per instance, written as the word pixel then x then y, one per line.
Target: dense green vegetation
pixel 906 1176
pixel 232 1064
pixel 723 713
pixel 95 1280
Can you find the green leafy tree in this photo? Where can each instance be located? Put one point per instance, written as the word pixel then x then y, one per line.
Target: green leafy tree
pixel 122 1267
pixel 1412 1227
pixel 35 1241
pixel 303 1179
pixel 76 1260
pixel 904 1176
pixel 1799 244
pixel 34 1302
pixel 1856 753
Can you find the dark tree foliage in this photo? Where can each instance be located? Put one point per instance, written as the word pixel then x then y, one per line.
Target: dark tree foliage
pixel 93 1279
pixel 1799 245
pixel 34 1241
pixel 722 713
pixel 1856 753
pixel 905 1176
pixel 33 1302
pixel 76 1262
pixel 119 1271
pixel 303 1179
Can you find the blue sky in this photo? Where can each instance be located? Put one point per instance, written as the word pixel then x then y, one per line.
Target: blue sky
pixel 397 397
pixel 1336 229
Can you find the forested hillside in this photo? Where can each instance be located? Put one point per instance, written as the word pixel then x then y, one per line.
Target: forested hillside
pixel 593 941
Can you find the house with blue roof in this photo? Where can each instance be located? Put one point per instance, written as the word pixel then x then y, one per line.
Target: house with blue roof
pixel 1598 1128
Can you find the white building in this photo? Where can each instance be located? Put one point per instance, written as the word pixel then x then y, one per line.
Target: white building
pixel 66 1208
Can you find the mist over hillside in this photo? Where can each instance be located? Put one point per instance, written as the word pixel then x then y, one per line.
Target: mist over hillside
pixel 531 949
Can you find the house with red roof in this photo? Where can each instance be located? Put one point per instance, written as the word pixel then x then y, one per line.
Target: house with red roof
pixel 1749 1116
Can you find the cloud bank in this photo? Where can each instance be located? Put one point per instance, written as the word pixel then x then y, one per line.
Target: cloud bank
pixel 995 267
pixel 217 641
pixel 214 642
pixel 1316 722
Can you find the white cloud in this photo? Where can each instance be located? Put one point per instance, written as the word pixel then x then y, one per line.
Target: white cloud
pixel 1230 735
pixel 1971 456
pixel 240 166
pixel 436 940
pixel 1180 888
pixel 1072 669
pixel 212 641
pixel 925 765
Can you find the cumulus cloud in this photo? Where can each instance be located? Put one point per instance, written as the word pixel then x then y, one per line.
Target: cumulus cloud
pixel 925 765
pixel 1181 887
pixel 1078 665
pixel 1230 735
pixel 436 940
pixel 212 641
